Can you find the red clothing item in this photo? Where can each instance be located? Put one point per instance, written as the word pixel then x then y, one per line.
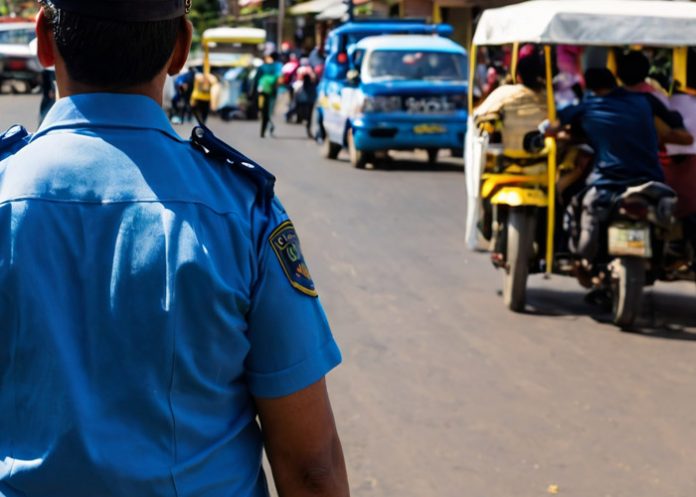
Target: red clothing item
pixel 680 174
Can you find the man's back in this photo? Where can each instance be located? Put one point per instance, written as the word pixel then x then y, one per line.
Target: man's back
pixel 521 109
pixel 139 301
pixel 620 129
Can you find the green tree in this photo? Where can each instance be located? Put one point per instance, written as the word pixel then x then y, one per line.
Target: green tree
pixel 205 14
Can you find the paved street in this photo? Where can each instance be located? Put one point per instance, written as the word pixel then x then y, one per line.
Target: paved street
pixel 443 393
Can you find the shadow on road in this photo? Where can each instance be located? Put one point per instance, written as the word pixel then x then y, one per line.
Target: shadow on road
pixel 403 165
pixel 664 314
pixel 419 166
pixel 283 137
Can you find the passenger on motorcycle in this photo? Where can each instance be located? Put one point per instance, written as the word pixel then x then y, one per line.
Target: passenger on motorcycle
pixel 633 69
pixel 618 125
pixel 520 107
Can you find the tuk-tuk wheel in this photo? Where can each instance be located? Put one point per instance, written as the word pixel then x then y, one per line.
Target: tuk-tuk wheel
pixel 358 158
pixel 521 227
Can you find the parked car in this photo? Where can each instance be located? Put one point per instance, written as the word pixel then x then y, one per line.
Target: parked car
pixel 18 62
pixel 400 92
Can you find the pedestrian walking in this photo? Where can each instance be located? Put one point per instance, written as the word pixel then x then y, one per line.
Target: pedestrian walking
pixel 267 87
pixel 184 90
pixel 155 300
pixel 201 95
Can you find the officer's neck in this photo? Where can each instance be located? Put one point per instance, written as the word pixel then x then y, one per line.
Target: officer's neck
pixel 68 87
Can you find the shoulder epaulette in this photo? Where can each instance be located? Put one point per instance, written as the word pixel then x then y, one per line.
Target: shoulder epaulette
pixel 204 139
pixel 12 140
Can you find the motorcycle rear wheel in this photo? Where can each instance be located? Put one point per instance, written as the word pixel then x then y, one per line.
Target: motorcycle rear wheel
pixel 627 284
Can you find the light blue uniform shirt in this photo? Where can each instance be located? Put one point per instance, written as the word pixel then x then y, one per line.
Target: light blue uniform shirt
pixel 144 301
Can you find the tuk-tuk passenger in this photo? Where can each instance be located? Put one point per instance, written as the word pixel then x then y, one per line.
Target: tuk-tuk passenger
pixel 620 129
pixel 520 107
pixel 633 69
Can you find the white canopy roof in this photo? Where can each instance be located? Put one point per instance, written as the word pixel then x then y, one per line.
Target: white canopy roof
pixel 590 22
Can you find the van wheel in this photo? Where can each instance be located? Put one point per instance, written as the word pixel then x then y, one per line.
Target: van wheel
pixel 627 283
pixel 358 158
pixel 329 149
pixel 520 240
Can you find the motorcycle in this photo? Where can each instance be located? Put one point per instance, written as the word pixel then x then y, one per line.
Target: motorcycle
pixel 645 243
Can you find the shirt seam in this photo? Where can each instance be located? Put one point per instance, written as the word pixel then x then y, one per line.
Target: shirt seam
pixel 117 202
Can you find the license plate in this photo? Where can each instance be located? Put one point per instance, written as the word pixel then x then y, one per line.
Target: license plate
pixel 429 129
pixel 629 240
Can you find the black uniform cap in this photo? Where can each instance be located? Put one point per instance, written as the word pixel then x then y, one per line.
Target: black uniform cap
pixel 126 10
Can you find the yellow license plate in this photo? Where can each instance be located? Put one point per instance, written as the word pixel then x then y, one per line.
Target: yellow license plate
pixel 429 129
pixel 629 240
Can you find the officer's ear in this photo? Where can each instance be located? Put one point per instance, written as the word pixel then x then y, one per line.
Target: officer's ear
pixel 182 48
pixel 45 47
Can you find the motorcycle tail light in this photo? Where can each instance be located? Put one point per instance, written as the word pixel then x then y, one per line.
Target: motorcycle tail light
pixel 634 210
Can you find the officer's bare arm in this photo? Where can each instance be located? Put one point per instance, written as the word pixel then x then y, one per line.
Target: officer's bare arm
pixel 303 445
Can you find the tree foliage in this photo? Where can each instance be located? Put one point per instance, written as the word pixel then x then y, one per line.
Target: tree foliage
pixel 205 14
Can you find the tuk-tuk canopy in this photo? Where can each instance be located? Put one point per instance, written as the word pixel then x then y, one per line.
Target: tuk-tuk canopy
pixel 590 22
pixel 251 36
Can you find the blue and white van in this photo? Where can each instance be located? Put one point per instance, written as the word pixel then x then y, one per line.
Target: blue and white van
pixel 399 92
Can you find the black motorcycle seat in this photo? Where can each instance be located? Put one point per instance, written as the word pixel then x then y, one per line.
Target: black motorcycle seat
pixel 653 190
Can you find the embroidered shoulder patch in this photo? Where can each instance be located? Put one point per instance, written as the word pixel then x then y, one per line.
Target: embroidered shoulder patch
pixel 286 246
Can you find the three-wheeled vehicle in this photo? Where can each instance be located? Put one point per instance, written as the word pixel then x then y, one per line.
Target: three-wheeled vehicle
pixel 512 198
pixel 230 53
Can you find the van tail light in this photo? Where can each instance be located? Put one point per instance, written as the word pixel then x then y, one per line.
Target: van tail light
pixel 342 58
pixel 16 64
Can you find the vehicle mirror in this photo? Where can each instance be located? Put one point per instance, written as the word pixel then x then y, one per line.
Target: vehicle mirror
pixel 533 142
pixel 353 76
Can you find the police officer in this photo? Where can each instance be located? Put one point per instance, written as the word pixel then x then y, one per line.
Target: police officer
pixel 153 295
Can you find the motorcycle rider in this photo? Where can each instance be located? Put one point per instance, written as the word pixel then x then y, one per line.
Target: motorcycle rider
pixel 619 126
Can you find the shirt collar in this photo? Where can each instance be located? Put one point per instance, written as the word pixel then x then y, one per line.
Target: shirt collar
pixel 107 110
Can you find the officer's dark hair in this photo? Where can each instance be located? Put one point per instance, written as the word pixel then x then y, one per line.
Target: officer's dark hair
pixel 632 67
pixel 111 54
pixel 529 71
pixel 599 78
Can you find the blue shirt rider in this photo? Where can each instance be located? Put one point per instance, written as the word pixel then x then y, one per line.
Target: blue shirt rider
pixel 619 127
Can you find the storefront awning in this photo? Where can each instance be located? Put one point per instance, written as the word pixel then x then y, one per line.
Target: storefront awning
pixel 336 11
pixel 312 7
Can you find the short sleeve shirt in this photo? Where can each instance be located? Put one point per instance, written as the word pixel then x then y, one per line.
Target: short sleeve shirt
pixel 145 301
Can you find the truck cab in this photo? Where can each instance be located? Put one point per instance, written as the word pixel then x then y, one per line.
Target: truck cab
pixel 384 92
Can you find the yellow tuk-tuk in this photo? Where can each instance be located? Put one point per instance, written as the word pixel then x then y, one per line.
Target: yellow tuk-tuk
pixel 512 200
pixel 231 53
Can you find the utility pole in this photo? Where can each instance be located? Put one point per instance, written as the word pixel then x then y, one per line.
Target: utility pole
pixel 233 8
pixel 281 22
pixel 9 6
pixel 351 10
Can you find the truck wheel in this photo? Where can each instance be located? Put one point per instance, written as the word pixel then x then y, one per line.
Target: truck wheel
pixel 627 283
pixel 432 155
pixel 358 158
pixel 520 240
